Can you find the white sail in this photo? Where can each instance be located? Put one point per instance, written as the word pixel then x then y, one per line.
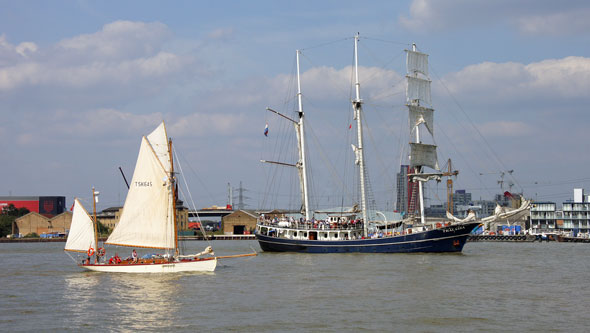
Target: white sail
pixel 417 62
pixel 159 142
pixel 147 219
pixel 81 235
pixel 421 115
pixel 418 89
pixel 423 155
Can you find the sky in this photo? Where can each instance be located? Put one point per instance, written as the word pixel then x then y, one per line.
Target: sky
pixel 82 81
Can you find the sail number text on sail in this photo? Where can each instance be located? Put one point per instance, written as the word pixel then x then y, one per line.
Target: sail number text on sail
pixel 143 184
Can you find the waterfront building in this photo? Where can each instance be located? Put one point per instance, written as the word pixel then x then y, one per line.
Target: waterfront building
pixel 403 188
pixel 109 217
pixel 48 206
pixel 35 223
pixel 543 217
pixel 461 198
pixel 574 218
pixel 240 222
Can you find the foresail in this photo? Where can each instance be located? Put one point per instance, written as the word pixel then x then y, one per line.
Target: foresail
pixel 147 219
pixel 423 155
pixel 81 234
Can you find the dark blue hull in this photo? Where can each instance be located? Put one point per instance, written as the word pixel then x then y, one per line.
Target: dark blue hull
pixel 446 239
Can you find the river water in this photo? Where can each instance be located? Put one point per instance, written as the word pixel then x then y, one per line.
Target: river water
pixel 489 287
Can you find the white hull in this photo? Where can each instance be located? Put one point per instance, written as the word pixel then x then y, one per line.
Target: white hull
pixel 169 267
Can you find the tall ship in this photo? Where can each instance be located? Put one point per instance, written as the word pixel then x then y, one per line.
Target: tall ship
pixel 354 231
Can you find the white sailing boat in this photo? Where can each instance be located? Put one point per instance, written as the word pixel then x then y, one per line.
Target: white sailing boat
pixel 148 219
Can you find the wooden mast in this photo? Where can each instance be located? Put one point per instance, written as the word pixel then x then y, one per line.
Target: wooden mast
pixel 173 184
pixel 95 224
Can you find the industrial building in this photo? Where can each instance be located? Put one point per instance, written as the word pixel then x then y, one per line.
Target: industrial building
pixel 47 206
pixel 41 225
pixel 240 222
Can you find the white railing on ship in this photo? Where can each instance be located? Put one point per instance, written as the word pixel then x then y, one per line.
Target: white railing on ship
pixel 312 225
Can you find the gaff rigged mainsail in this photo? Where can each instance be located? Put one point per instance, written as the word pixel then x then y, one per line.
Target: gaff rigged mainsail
pixel 147 219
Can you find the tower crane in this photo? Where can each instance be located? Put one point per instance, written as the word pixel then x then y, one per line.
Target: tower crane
pixel 450 173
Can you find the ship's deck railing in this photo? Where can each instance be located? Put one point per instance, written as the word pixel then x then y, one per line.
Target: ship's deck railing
pixel 316 225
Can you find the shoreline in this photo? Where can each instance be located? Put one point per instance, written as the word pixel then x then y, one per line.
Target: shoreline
pixel 182 238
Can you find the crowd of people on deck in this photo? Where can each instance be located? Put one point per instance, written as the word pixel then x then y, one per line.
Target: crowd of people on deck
pixel 341 223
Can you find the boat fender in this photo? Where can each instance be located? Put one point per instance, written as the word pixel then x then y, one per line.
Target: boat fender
pixel 90 252
pixel 100 252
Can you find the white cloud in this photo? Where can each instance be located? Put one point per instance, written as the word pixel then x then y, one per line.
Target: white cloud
pixel 561 23
pixel 117 40
pixel 222 33
pixel 538 17
pixel 506 129
pixel 508 82
pixel 25 49
pixel 97 70
pixel 11 54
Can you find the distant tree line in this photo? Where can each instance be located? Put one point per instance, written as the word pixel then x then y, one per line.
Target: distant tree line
pixel 7 216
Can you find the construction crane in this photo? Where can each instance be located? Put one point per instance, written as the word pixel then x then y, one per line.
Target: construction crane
pixel 501 181
pixel 450 173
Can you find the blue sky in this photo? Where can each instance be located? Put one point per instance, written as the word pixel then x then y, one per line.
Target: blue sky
pixel 81 81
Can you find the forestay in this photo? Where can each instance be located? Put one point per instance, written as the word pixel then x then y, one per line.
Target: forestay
pixel 81 235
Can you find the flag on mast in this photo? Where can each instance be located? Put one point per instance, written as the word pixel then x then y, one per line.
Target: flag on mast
pixel 266 130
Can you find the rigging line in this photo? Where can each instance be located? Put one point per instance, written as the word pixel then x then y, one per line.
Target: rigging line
pixel 323 155
pixel 465 160
pixel 387 41
pixel 379 159
pixel 326 43
pixel 338 88
pixel 475 127
pixel 384 65
pixel 175 152
pixel 199 179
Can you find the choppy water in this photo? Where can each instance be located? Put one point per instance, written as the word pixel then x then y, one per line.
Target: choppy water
pixel 490 287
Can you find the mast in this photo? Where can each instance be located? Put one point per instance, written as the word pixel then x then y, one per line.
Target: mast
pixel 360 160
pixel 173 193
pixel 302 159
pixel 419 169
pixel 94 194
pixel 418 98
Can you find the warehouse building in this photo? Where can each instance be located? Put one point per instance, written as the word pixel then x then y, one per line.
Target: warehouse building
pixel 36 223
pixel 46 206
pixel 240 222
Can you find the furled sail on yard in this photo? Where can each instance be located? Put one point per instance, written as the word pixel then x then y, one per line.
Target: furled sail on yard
pixel 423 155
pixel 81 235
pixel 147 219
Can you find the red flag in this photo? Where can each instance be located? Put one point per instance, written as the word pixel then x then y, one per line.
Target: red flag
pixel 350 126
pixel 72 208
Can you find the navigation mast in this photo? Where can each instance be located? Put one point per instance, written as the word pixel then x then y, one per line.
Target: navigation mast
pixel 94 197
pixel 173 194
pixel 360 155
pixel 302 167
pixel 301 164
